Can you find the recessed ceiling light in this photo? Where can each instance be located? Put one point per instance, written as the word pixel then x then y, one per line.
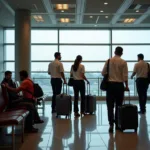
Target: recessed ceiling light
pixel 137 11
pixel 64 20
pixel 105 3
pixel 101 11
pixel 62 6
pixel 38 18
pixel 129 20
pixel 106 16
pixel 91 16
pixel 62 11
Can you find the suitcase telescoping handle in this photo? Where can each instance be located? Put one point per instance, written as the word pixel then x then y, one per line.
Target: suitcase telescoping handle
pixel 88 89
pixel 64 88
pixel 128 97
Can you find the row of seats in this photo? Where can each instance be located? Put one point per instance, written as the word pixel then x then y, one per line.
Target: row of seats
pixel 11 117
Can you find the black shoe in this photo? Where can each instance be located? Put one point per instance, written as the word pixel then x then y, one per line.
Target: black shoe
pixel 111 129
pixel 53 111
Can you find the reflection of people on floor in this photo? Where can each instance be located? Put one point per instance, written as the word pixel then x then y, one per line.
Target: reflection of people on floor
pixel 111 142
pixel 57 143
pixel 76 143
pixel 143 140
pixel 62 130
pixel 83 134
pixel 126 141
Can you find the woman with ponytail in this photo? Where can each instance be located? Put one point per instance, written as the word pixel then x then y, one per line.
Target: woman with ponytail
pixel 77 72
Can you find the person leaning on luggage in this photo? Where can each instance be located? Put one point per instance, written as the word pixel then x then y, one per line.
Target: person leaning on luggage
pixel 118 75
pixel 141 72
pixel 77 72
pixel 56 70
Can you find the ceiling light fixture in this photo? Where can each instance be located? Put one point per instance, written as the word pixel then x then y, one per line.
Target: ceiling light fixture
pixel 129 20
pixel 105 3
pixel 95 25
pixel 38 18
pixel 62 6
pixel 64 20
pixel 101 11
pixel 62 11
pixel 91 16
pixel 137 11
pixel 106 17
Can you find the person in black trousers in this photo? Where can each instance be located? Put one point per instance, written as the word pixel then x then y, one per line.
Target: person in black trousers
pixel 56 70
pixel 118 76
pixel 141 71
pixel 77 72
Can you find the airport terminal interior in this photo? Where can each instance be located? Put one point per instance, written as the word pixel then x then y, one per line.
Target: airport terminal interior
pixel 31 31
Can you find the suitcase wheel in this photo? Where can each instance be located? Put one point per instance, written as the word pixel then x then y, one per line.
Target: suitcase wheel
pixel 91 113
pixel 135 130
pixel 122 130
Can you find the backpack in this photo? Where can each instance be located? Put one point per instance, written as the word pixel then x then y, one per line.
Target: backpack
pixel 38 92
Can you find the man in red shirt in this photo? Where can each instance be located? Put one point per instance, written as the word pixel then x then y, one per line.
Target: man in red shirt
pixel 27 89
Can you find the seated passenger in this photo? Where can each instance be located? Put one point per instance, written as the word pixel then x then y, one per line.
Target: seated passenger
pixel 28 98
pixel 12 95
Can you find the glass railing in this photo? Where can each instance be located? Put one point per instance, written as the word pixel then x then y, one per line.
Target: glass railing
pixel 94 86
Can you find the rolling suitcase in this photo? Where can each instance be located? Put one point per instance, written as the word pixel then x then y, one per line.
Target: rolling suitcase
pixel 90 102
pixel 63 104
pixel 128 116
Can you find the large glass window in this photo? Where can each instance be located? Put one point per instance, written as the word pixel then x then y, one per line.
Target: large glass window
pixel 130 52
pixel 96 46
pixel 9 52
pixel 88 53
pixel 131 36
pixel 43 52
pixel 44 36
pixel 85 36
pixel 9 36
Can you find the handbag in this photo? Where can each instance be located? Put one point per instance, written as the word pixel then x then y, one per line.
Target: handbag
pixel 104 83
pixel 148 74
pixel 71 81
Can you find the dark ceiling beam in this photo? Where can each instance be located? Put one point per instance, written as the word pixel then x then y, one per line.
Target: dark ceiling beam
pixel 80 8
pixel 48 7
pixel 143 17
pixel 125 5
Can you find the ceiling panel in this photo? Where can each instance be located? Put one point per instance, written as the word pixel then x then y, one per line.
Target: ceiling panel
pixel 97 19
pixel 36 6
pixel 6 17
pixel 95 6
pixel 147 20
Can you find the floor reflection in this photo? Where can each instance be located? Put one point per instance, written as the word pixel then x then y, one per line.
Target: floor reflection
pixel 86 133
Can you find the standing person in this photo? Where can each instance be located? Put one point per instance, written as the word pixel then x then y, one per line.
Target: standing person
pixel 118 75
pixel 56 70
pixel 77 72
pixel 141 71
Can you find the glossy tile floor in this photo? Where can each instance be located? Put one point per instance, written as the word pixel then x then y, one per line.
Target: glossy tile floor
pixel 86 133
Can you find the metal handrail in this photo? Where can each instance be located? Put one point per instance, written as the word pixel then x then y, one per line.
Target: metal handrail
pixel 95 86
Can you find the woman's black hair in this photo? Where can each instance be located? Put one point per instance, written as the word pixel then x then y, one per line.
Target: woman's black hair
pixel 77 63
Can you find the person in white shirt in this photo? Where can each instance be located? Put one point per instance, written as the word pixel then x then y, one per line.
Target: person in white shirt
pixel 118 75
pixel 141 71
pixel 56 70
pixel 78 74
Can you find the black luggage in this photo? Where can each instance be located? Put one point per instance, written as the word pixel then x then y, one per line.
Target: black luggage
pixel 90 102
pixel 63 104
pixel 128 116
